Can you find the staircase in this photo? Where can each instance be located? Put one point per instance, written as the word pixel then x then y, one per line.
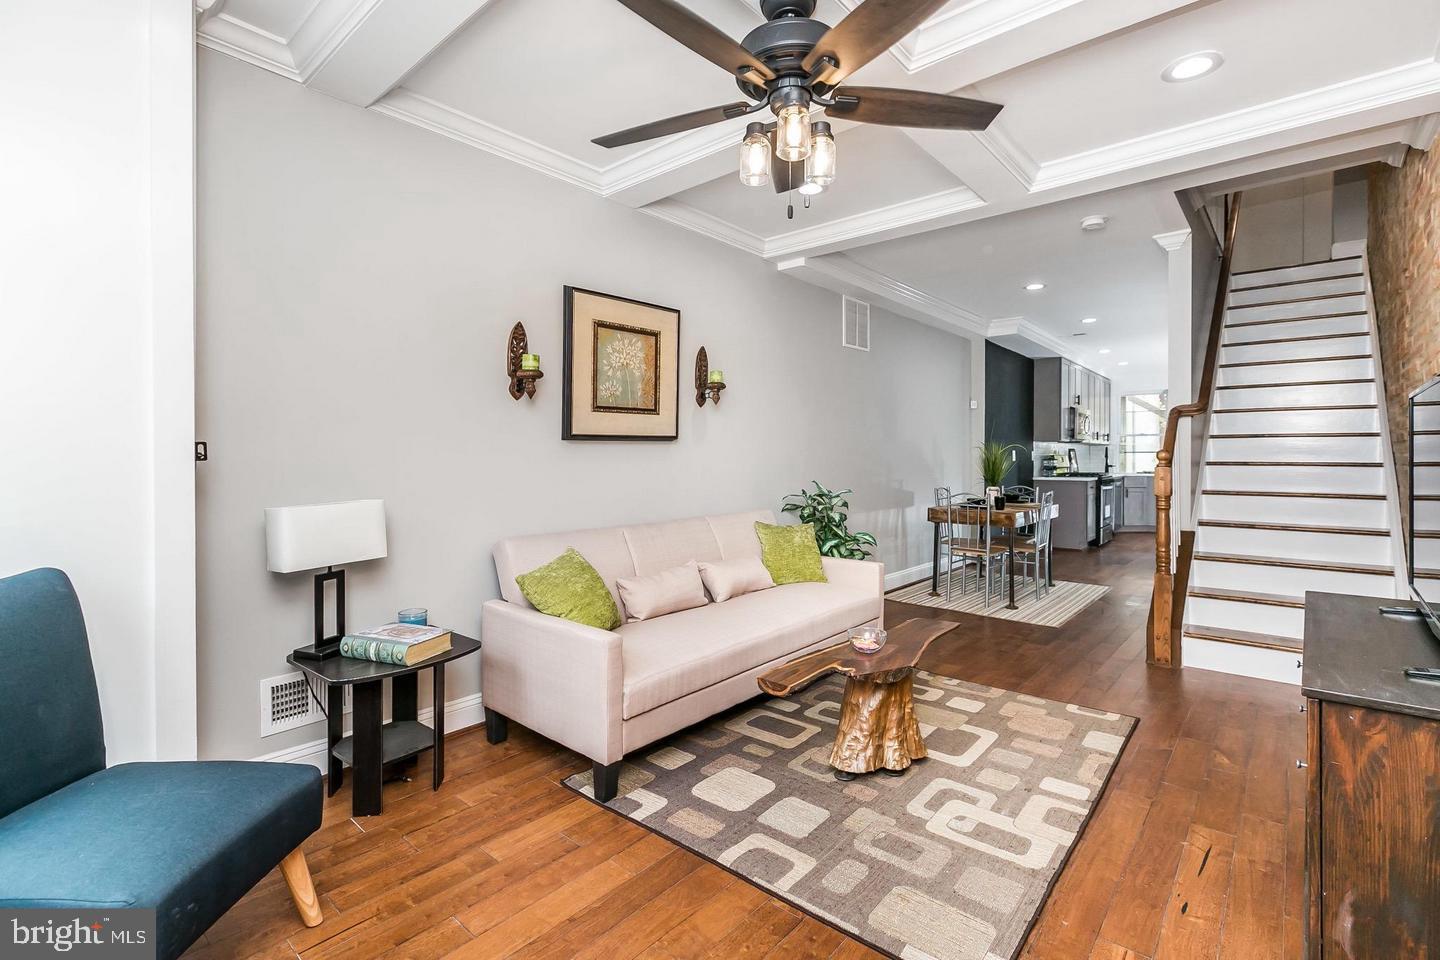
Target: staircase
pixel 1293 492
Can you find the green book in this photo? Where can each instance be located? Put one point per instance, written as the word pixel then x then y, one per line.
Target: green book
pixel 401 644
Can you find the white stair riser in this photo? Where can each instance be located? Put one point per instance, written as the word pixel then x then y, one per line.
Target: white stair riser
pixel 1289 581
pixel 1299 372
pixel 1334 346
pixel 1297 308
pixel 1352 513
pixel 1306 271
pixel 1427 514
pixel 1299 479
pixel 1365 449
pixel 1232 658
pixel 1427 418
pixel 1293 545
pixel 1430 590
pixel 1312 288
pixel 1335 394
pixel 1294 421
pixel 1254 617
pixel 1427 553
pixel 1427 448
pixel 1427 479
pixel 1354 323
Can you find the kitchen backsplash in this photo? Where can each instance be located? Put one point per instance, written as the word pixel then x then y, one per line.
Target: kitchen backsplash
pixel 1090 456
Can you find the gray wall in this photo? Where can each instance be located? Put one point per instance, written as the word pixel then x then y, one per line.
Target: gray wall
pixel 358 279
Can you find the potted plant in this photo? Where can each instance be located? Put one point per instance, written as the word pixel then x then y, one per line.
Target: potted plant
pixel 995 463
pixel 828 511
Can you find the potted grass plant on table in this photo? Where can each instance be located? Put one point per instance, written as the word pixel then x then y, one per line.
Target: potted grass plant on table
pixel 995 462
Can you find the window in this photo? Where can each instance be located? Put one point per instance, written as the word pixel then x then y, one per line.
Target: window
pixel 1142 425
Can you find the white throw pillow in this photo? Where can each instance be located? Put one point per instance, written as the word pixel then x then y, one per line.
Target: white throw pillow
pixel 678 588
pixel 732 578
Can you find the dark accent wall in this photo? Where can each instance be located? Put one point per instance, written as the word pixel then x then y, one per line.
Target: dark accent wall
pixel 1010 405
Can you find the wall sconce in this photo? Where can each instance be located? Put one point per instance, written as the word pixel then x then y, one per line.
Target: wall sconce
pixel 708 383
pixel 522 366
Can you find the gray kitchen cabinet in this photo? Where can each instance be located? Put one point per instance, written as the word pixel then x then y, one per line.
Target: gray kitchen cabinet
pixel 1138 502
pixel 1075 496
pixel 1062 387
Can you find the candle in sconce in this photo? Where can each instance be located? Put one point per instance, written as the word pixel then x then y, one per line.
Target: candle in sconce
pixel 717 376
pixel 529 361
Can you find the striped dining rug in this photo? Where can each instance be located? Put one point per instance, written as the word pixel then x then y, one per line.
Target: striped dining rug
pixel 1053 609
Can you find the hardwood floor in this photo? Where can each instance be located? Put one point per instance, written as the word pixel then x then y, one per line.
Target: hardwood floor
pixel 1195 850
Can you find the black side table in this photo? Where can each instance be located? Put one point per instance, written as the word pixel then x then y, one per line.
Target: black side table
pixel 375 744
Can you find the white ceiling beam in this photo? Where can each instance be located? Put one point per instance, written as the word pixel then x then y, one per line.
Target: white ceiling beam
pixel 843 275
pixel 392 39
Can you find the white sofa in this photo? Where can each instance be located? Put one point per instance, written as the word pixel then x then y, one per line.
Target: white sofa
pixel 605 693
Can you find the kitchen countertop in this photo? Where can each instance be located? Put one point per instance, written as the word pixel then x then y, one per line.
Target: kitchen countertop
pixel 1085 479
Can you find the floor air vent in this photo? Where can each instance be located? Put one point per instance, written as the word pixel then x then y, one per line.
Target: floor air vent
pixel 855 326
pixel 286 703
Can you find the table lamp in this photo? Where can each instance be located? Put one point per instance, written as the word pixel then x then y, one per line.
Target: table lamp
pixel 317 535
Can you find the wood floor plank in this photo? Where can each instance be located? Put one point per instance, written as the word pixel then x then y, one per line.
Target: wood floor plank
pixel 808 940
pixel 1196 911
pixel 1133 920
pixel 757 934
pixel 1254 923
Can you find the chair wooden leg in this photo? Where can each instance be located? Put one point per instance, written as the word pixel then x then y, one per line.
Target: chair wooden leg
pixel 302 888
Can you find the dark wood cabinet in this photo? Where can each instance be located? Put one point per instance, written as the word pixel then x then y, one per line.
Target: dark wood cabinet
pixel 1372 853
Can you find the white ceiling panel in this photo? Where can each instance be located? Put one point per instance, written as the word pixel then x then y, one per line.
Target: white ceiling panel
pixel 279 18
pixel 1110 91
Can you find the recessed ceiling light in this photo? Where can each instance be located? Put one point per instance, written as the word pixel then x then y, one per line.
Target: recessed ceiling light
pixel 1104 349
pixel 1032 287
pixel 1124 363
pixel 1192 66
pixel 1088 320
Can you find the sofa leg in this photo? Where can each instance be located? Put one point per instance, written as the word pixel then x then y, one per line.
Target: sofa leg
pixel 497 727
pixel 607 780
pixel 302 888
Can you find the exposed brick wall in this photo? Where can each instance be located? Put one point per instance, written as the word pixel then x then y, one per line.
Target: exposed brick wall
pixel 1404 248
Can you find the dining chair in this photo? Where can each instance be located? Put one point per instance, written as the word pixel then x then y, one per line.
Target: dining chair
pixel 973 543
pixel 1036 550
pixel 1020 493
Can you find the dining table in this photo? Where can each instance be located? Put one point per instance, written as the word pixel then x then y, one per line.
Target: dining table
pixel 1012 517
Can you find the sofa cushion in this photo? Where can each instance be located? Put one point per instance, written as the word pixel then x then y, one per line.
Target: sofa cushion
pixel 569 587
pixel 735 578
pixel 655 547
pixel 671 656
pixel 189 839
pixel 790 553
pixel 668 591
pixel 604 549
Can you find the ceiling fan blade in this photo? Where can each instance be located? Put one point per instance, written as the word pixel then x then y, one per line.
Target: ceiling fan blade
pixel 912 108
pixel 663 128
pixel 697 34
pixel 869 30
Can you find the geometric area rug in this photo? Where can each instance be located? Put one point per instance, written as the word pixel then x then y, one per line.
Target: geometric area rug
pixel 951 861
pixel 1056 606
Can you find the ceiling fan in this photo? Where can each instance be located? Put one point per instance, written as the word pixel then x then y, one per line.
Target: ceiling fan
pixel 792 63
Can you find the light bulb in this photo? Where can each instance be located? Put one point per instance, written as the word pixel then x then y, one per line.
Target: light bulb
pixel 820 168
pixel 755 156
pixel 809 188
pixel 792 136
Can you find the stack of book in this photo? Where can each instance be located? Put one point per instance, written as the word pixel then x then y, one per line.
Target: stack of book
pixel 402 644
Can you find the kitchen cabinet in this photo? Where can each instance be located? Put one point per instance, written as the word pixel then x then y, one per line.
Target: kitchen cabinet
pixel 1072 403
pixel 1075 496
pixel 1137 507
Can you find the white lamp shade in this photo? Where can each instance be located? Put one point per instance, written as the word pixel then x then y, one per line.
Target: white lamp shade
pixel 324 535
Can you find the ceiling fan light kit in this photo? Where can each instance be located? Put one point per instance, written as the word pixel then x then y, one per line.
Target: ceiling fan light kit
pixel 792 64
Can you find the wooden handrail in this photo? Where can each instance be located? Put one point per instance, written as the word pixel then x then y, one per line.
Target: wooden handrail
pixel 1161 647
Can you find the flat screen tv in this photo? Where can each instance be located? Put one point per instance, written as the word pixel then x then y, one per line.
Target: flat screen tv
pixel 1422 541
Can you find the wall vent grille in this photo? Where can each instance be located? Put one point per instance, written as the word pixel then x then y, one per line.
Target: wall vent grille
pixel 286 703
pixel 855 324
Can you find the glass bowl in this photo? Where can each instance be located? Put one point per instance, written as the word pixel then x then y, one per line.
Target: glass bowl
pixel 868 639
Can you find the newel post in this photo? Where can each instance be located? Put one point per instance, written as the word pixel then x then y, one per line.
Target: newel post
pixel 1158 649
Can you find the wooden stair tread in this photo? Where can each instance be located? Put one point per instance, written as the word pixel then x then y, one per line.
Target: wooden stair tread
pixel 1268 641
pixel 1271 363
pixel 1283 436
pixel 1278 303
pixel 1373 569
pixel 1295 463
pixel 1295 409
pixel 1296 493
pixel 1292 266
pixel 1314 336
pixel 1314 316
pixel 1248 596
pixel 1292 283
pixel 1296 527
pixel 1295 383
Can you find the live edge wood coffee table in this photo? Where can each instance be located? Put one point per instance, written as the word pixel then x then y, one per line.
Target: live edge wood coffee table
pixel 877 718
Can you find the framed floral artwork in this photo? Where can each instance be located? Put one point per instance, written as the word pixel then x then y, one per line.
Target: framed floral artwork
pixel 622 368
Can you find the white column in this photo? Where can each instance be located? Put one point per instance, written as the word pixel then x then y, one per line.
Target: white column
pixel 1180 324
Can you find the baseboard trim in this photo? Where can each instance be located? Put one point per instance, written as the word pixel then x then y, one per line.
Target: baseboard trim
pixel 903 578
pixel 460 713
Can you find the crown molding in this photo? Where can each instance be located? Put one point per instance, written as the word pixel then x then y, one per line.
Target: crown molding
pixel 1426 129
pixel 1046 341
pixel 872 224
pixel 840 273
pixel 1009 155
pixel 684 215
pixel 1173 240
pixel 323 31
pixel 1377 90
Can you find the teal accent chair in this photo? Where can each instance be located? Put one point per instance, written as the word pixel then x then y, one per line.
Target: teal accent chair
pixel 187 839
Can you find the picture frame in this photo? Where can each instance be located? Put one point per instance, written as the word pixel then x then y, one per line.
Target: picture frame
pixel 621 368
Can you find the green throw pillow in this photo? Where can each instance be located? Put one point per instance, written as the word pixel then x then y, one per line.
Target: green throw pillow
pixel 569 587
pixel 790 553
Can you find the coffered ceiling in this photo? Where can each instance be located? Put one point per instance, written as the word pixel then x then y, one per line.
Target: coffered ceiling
pixel 1088 123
